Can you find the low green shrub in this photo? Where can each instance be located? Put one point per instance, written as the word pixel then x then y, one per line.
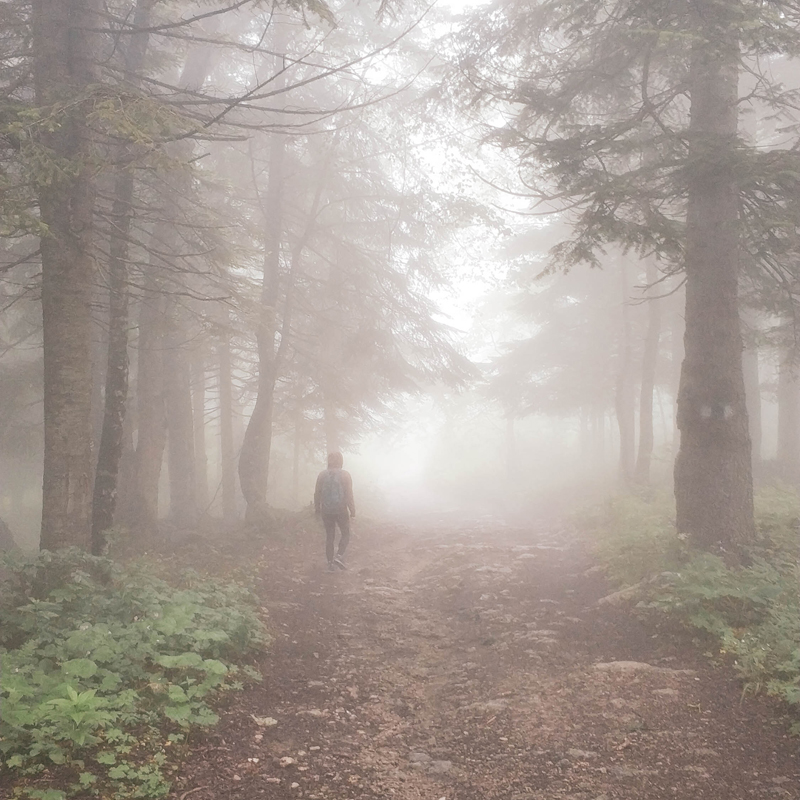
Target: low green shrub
pixel 633 538
pixel 105 668
pixel 753 611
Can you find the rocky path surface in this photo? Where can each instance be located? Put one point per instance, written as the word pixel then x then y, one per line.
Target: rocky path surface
pixel 469 661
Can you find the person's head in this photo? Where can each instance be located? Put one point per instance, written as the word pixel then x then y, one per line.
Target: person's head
pixel 335 460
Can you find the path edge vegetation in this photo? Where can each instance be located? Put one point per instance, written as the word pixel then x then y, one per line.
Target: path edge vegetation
pixel 746 615
pixel 110 668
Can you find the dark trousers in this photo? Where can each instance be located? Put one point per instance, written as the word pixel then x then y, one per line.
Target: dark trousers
pixel 330 521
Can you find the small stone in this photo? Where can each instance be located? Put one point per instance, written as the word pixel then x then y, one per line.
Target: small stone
pixel 236 777
pixel 580 754
pixel 273 780
pixel 295 785
pixel 264 722
pixel 440 767
pixel 287 761
pixel 623 666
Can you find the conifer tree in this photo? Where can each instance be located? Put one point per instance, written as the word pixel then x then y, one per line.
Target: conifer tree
pixel 606 137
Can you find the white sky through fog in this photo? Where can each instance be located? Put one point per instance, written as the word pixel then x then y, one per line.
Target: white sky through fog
pixel 396 464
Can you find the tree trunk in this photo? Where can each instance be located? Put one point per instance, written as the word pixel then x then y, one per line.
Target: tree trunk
pixel 624 399
pixel 104 500
pixel 227 449
pixel 649 364
pixel 126 480
pixel 151 413
pixel 199 418
pixel 788 455
pixel 257 444
pixel 180 431
pixel 157 330
pixel 713 471
pixel 116 394
pixel 63 49
pixel 677 329
pixel 752 389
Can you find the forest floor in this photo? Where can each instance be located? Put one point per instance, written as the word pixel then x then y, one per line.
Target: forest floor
pixel 468 660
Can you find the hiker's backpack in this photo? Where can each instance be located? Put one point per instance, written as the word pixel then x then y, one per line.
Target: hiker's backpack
pixel 332 499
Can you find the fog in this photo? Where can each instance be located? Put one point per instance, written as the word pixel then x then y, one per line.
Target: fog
pixel 466 245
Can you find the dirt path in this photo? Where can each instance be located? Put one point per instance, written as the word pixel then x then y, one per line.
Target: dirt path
pixel 467 661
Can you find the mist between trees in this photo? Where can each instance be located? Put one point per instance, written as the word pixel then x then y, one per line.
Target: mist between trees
pixel 230 229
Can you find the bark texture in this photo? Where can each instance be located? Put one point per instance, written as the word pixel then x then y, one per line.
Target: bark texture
pixel 713 471
pixel 111 448
pixel 63 49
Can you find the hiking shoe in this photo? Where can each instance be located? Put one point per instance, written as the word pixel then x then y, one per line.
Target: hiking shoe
pixel 339 563
pixel 331 567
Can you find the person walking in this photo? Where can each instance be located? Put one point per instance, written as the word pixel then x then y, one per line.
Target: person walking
pixel 333 501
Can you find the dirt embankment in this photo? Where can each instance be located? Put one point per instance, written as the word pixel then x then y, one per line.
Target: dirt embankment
pixel 468 661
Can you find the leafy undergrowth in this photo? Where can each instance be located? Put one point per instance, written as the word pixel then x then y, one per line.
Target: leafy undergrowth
pixel 108 668
pixel 753 612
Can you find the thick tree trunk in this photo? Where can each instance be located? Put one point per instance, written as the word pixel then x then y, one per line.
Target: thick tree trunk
pixel 63 49
pixel 116 384
pixel 713 471
pixel 227 448
pixel 649 365
pixel 624 398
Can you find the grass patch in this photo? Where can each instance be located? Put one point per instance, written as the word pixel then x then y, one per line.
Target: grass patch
pixel 753 612
pixel 108 668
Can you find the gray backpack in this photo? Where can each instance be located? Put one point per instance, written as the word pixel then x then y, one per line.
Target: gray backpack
pixel 332 499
